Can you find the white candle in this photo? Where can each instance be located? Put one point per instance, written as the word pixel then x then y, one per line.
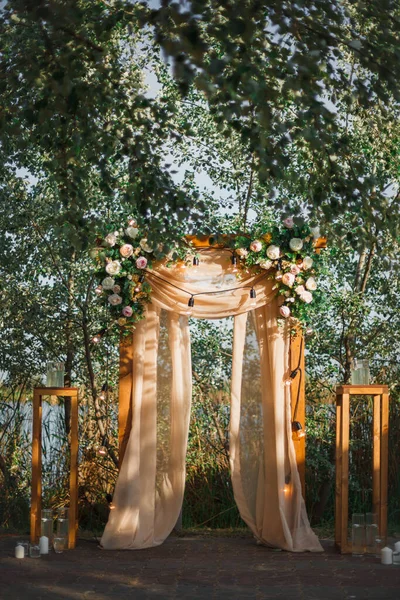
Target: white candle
pixel 19 552
pixel 397 546
pixel 386 556
pixel 44 545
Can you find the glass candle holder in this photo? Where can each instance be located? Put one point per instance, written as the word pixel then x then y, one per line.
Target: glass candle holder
pixel 34 551
pixel 371 532
pixel 55 374
pixel 59 544
pixel 62 522
pixel 360 372
pixel 47 523
pixel 357 534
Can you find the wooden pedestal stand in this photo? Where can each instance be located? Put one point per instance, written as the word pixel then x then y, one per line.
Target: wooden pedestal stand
pixel 380 458
pixel 36 501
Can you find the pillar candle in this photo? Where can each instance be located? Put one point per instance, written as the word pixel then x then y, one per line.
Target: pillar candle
pixel 19 552
pixel 44 545
pixel 397 546
pixel 386 556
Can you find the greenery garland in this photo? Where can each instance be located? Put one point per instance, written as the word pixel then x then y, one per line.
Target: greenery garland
pixel 285 250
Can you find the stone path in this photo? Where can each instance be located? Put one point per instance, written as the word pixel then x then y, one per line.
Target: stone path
pixel 195 567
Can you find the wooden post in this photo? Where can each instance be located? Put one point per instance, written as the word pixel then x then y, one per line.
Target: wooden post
pixel 36 498
pixel 379 458
pixel 298 390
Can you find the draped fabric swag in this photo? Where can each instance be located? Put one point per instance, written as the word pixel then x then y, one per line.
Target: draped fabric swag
pixel 150 487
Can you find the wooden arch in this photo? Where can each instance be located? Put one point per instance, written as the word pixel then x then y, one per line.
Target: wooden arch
pixel 296 362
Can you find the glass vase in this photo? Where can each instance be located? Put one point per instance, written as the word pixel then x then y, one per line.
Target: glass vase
pixel 360 372
pixel 357 534
pixel 62 522
pixel 55 374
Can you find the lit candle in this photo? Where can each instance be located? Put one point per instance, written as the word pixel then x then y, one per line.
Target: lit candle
pixel 44 545
pixel 386 556
pixel 19 552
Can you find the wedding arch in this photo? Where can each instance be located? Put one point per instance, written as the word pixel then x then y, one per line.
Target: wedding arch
pixel 155 397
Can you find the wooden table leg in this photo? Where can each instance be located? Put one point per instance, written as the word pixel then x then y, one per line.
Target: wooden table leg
pixel 36 498
pixel 376 456
pixel 73 476
pixel 345 472
pixel 384 465
pixel 338 474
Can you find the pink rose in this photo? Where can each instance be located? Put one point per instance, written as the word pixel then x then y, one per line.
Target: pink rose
pixel 289 223
pixel 285 311
pixel 306 297
pixel 288 279
pixel 141 262
pixel 126 250
pixel 127 311
pixel 294 269
pixel 256 246
pixel 116 289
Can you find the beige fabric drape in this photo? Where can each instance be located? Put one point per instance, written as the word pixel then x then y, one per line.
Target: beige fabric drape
pixel 150 486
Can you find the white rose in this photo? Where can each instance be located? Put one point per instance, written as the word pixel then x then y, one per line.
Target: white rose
pixel 307 262
pixel 273 252
pixel 110 239
pixel 296 244
pixel 265 264
pixel 108 283
pixel 300 290
pixel 315 232
pixel 132 232
pixel 311 284
pixel 114 299
pixel 113 267
pixel 145 246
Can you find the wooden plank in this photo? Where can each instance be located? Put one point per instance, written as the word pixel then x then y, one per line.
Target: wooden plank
pixel 376 455
pixel 51 391
pixel 338 473
pixel 297 359
pixel 36 492
pixel 125 394
pixel 384 464
pixel 362 390
pixel 73 475
pixel 345 430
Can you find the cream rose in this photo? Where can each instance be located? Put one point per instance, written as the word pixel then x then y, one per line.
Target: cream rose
pixel 307 263
pixel 110 239
pixel 108 283
pixel 288 279
pixel 294 269
pixel 315 232
pixel 256 246
pixel 145 246
pixel 300 289
pixel 265 264
pixel 132 232
pixel 311 284
pixel 126 250
pixel 296 244
pixel 242 252
pixel 306 297
pixel 113 267
pixel 116 289
pixel 273 252
pixel 114 299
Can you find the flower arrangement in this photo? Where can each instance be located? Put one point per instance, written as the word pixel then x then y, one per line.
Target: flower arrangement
pixel 285 252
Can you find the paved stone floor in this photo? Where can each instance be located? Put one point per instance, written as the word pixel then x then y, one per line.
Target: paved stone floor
pixel 194 567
